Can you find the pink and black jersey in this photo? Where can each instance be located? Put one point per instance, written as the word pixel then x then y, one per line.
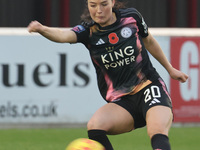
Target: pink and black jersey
pixel 118 53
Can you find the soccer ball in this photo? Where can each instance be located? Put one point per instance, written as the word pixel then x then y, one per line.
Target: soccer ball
pixel 84 144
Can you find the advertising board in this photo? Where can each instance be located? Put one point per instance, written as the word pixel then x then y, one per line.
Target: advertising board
pixel 46 82
pixel 185 56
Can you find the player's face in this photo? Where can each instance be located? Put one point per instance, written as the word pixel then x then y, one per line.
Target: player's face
pixel 101 11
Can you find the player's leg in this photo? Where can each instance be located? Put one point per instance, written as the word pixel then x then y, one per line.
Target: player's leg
pixel 109 119
pixel 159 120
pixel 158 110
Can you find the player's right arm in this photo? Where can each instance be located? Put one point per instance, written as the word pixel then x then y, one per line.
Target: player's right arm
pixel 53 34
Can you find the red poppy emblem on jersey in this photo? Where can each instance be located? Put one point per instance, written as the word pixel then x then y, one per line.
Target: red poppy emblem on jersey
pixel 113 38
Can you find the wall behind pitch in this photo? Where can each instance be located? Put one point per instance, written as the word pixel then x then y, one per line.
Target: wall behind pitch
pixel 46 82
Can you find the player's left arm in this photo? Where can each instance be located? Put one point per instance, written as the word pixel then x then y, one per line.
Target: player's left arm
pixel 154 48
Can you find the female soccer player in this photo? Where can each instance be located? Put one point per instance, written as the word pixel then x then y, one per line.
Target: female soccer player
pixel 118 40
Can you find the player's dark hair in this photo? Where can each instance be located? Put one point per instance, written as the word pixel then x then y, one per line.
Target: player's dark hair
pixel 86 15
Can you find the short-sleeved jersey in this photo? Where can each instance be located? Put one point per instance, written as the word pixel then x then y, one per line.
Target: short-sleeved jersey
pixel 118 53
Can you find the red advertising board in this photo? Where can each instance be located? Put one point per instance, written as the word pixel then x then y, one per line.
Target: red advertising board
pixel 185 56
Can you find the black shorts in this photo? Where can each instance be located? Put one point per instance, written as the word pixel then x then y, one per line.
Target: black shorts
pixel 138 104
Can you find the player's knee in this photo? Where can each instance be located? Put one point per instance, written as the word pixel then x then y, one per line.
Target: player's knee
pixel 157 129
pixel 95 124
pixel 90 125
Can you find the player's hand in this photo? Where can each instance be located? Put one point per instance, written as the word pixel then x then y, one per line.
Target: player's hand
pixel 35 26
pixel 178 75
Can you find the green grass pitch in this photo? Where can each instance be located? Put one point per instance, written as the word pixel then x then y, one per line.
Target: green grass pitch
pixel 182 138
